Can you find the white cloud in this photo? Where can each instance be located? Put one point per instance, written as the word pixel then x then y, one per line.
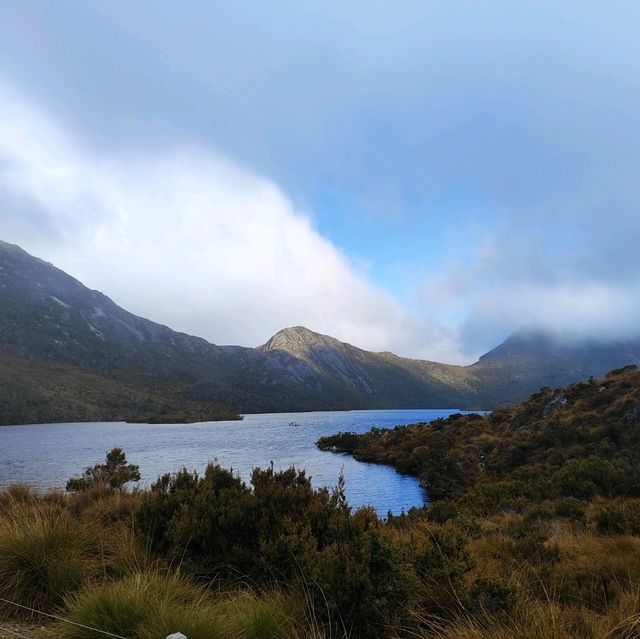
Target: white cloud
pixel 524 279
pixel 188 238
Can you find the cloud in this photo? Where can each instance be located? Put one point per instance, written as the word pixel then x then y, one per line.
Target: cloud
pixel 573 278
pixel 495 149
pixel 188 238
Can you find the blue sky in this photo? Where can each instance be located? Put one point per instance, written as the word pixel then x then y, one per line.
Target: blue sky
pixel 471 168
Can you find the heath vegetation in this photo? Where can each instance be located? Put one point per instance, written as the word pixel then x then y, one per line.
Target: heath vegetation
pixel 533 533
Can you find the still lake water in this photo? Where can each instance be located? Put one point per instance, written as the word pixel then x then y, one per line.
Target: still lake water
pixel 46 455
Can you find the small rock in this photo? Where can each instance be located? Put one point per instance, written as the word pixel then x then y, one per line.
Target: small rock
pixel 557 402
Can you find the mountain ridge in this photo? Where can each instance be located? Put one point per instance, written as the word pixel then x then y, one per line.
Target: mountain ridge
pixel 136 369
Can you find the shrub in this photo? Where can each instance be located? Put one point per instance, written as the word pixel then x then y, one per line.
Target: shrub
pixel 495 596
pixel 113 474
pixel 621 518
pixel 570 507
pixel 280 528
pixel 487 498
pixel 584 478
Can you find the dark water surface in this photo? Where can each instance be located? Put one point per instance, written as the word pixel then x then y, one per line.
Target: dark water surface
pixel 46 455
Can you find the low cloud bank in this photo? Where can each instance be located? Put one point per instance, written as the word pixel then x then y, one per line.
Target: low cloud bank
pixel 190 239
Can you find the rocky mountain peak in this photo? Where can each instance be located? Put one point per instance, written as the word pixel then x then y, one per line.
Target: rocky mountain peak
pixel 298 340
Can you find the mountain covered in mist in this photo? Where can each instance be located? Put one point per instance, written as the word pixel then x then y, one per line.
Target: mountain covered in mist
pixel 69 353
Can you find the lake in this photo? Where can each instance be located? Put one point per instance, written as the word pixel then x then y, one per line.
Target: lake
pixel 46 455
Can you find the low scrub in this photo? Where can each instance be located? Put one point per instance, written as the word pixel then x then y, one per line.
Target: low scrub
pixel 534 534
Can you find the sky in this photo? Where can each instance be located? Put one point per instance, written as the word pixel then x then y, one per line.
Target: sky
pixel 420 177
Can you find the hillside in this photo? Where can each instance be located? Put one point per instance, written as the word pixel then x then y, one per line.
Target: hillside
pixel 376 379
pixel 512 371
pixel 70 353
pixel 581 441
pixel 526 361
pixel 544 500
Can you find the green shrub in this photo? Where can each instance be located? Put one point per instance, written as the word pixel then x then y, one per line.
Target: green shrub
pixel 280 528
pixel 570 507
pixel 494 596
pixel 584 478
pixel 619 518
pixel 487 498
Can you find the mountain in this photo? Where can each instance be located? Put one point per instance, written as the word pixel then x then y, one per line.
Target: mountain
pixel 526 361
pixel 375 379
pixel 69 353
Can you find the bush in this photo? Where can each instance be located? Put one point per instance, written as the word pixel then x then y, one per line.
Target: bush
pixel 584 478
pixel 280 528
pixel 570 507
pixel 113 474
pixel 487 498
pixel 495 596
pixel 619 518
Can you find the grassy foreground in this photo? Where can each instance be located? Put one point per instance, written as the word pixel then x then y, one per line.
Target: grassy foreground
pixel 80 558
pixel 534 533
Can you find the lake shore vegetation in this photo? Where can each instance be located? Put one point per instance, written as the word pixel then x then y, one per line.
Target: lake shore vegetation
pixel 534 532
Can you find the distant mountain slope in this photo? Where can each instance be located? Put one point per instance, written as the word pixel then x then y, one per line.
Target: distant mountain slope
pixel 377 379
pixel 70 353
pixel 525 362
pixel 48 317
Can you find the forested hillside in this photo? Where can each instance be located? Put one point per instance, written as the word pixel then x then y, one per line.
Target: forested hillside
pixel 70 353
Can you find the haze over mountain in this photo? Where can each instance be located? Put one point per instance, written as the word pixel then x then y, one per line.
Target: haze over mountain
pixel 423 181
pixel 70 353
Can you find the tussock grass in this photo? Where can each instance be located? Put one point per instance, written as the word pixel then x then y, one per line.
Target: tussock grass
pixel 125 606
pixel 595 571
pixel 535 619
pixel 79 557
pixel 272 615
pixel 21 495
pixel 155 603
pixel 46 553
pixel 590 590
